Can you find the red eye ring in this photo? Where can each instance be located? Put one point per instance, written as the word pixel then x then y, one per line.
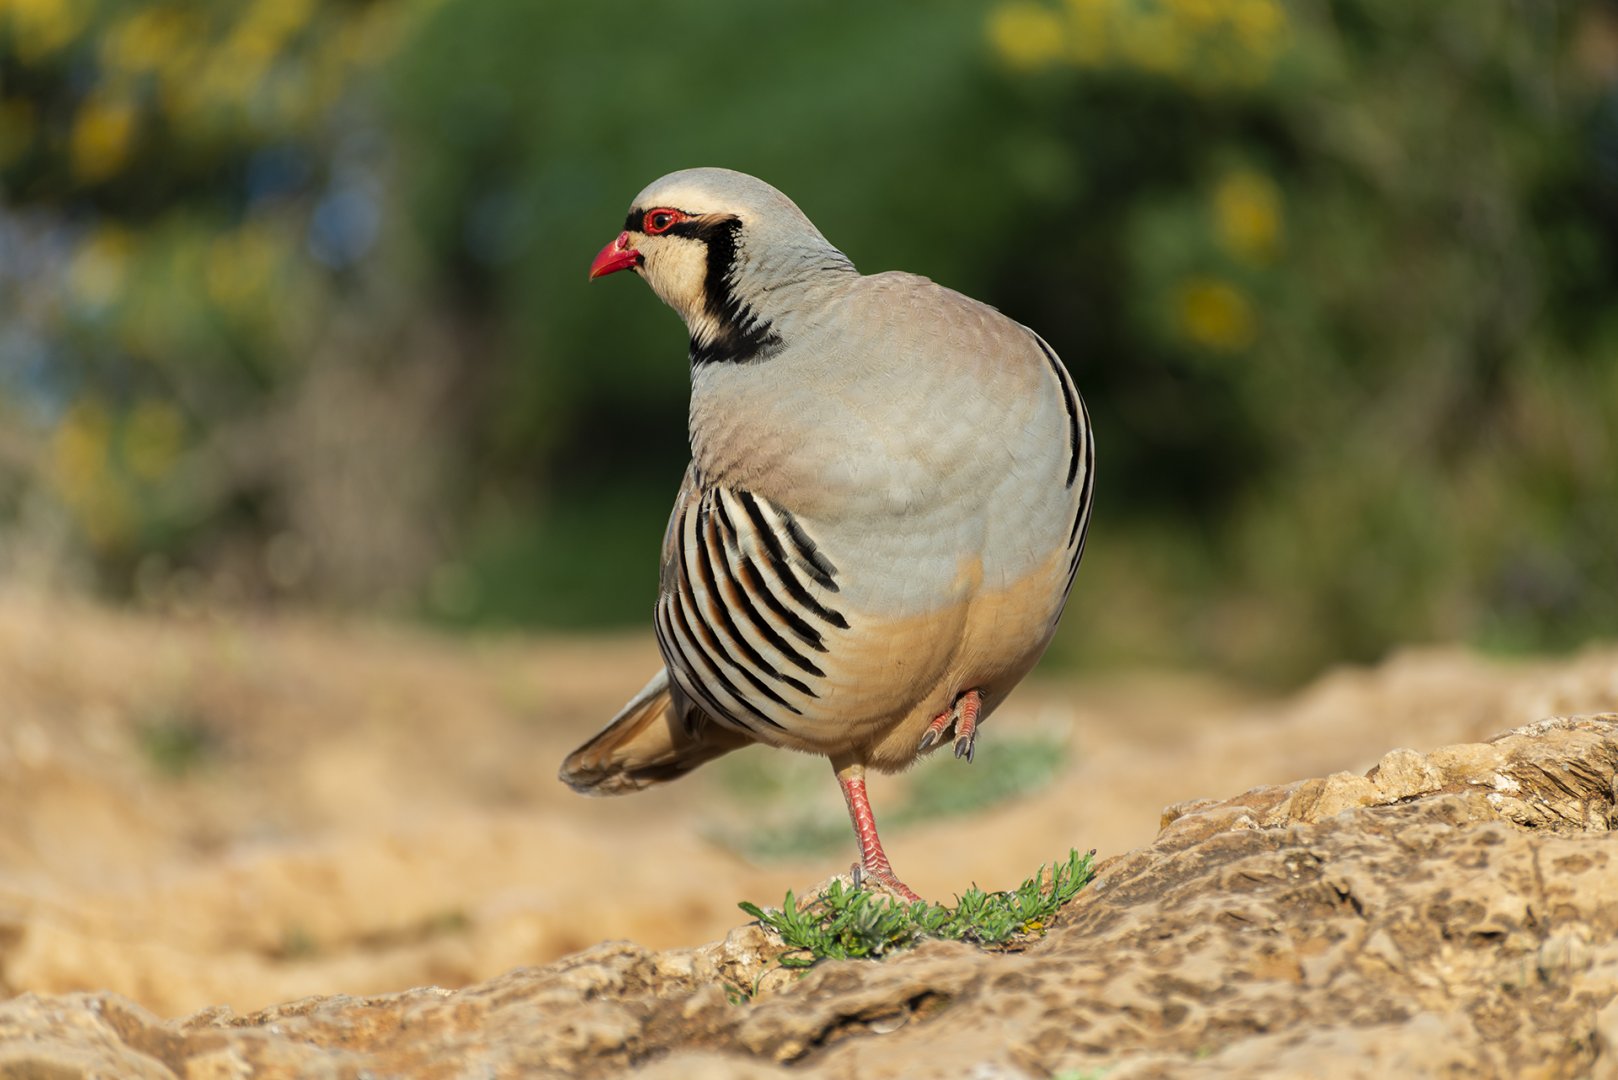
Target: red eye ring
pixel 661 220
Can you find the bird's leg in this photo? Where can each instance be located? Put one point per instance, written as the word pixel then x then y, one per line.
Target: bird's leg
pixel 964 715
pixel 873 860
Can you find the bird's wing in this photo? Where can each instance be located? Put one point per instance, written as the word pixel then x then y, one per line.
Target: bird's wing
pixel 747 610
pixel 1079 481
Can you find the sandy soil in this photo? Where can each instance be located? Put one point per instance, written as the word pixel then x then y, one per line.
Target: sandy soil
pixel 203 813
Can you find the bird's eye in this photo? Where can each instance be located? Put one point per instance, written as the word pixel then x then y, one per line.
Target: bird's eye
pixel 661 220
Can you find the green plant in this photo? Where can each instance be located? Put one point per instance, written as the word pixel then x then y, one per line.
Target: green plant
pixel 177 744
pixel 850 924
pixel 297 943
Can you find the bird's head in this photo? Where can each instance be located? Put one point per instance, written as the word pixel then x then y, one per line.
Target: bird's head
pixel 714 244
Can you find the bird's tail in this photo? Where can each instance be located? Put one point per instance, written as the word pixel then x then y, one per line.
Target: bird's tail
pixel 649 742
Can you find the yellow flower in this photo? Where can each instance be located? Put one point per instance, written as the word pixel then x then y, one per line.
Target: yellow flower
pixel 181 92
pixel 1153 43
pixel 1260 23
pixel 103 132
pixel 1196 43
pixel 275 20
pixel 144 41
pixel 107 516
pixel 1091 33
pixel 1026 35
pixel 79 450
pixel 239 266
pixel 1196 11
pixel 231 76
pixel 39 28
pixel 98 270
pixel 153 435
pixel 1213 313
pixel 367 38
pixel 1247 216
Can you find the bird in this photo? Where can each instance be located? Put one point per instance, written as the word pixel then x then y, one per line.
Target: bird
pixel 886 505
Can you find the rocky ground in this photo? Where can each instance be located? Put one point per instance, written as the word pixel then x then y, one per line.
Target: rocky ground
pixel 200 820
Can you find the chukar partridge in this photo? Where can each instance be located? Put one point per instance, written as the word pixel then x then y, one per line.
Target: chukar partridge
pixel 885 507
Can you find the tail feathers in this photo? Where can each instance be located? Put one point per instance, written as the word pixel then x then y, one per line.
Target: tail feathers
pixel 649 742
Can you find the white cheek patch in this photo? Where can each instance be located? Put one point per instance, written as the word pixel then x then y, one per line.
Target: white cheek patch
pixel 676 268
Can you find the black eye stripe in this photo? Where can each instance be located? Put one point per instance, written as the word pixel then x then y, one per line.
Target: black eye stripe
pixel 741 336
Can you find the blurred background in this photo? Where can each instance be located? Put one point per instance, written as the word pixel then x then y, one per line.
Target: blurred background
pixel 331 492
pixel 293 306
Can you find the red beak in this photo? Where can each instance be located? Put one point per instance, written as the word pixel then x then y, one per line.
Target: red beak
pixel 616 256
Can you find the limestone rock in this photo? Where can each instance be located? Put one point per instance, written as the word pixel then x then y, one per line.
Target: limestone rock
pixel 1446 914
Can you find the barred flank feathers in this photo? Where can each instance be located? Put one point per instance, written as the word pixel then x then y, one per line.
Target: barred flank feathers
pixel 744 608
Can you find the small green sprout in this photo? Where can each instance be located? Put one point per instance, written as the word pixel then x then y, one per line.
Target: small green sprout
pixel 177 744
pixel 844 924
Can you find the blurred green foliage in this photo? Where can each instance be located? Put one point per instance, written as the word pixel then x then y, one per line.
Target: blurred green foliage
pixel 292 298
pixel 177 744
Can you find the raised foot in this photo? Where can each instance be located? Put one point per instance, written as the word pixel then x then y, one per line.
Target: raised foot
pixel 964 716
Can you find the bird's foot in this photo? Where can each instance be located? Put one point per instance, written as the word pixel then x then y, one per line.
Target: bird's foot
pixel 966 724
pixel 886 880
pixel 964 716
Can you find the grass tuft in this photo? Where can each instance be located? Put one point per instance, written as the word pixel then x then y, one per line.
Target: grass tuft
pixel 177 744
pixel 851 924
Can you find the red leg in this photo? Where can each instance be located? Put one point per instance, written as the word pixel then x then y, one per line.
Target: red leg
pixel 873 860
pixel 964 715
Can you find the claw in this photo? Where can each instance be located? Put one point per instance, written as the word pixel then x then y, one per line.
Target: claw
pixel 963 715
pixel 894 885
pixel 966 725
